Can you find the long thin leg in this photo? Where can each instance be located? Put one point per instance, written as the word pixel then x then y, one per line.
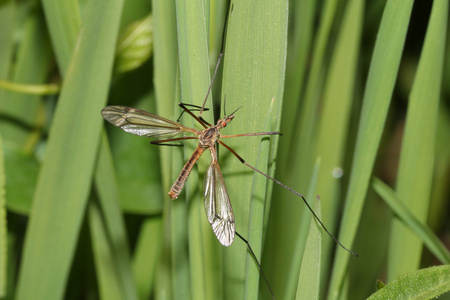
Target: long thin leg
pixel 292 191
pixel 191 105
pixel 251 134
pixel 257 262
pixel 173 140
pixel 200 120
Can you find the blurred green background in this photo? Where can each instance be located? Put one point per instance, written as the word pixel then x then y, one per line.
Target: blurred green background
pixel 360 91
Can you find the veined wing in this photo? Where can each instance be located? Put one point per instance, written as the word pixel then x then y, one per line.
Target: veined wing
pixel 217 204
pixel 142 123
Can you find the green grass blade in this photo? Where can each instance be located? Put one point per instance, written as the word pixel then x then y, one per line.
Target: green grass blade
pixel 415 174
pixel 32 64
pixel 7 14
pixel 108 232
pixel 307 118
pixel 415 226
pixel 3 226
pixel 332 128
pixel 254 69
pixel 259 209
pixel 422 284
pixel 146 257
pixel 106 275
pixel 193 30
pixel 301 31
pixel 297 159
pixel 64 22
pixel 65 178
pixel 309 277
pixel 377 96
pixel 293 281
pixel 166 88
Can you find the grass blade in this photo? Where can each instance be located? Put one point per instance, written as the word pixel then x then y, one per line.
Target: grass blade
pixel 418 146
pixel 254 68
pixel 309 277
pixel 3 231
pixel 109 236
pixel 69 162
pixel 415 226
pixel 377 96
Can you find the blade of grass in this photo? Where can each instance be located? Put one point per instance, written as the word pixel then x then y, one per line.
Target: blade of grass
pixel 109 285
pixel 109 233
pixel 377 96
pixel 254 68
pixel 293 281
pixel 147 255
pixel 260 204
pixel 7 17
pixel 166 85
pixel 64 21
pixel 65 178
pixel 301 21
pixel 300 154
pixel 3 226
pixel 296 162
pixel 31 66
pixel 415 174
pixel 414 225
pixel 332 129
pixel 192 33
pixel 309 277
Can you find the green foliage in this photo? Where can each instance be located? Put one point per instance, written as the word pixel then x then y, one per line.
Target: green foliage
pixel 356 91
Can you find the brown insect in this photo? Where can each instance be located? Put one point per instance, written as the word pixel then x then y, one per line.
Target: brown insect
pixel 216 200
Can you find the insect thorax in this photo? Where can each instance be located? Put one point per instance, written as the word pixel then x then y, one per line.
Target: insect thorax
pixel 208 137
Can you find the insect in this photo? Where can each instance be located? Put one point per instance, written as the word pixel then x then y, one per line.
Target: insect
pixel 216 200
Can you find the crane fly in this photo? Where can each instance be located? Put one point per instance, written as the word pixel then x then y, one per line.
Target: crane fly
pixel 216 199
pixel 215 196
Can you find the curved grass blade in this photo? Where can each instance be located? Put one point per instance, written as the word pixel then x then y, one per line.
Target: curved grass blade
pixel 404 213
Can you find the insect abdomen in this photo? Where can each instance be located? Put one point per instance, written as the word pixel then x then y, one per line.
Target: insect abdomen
pixel 177 186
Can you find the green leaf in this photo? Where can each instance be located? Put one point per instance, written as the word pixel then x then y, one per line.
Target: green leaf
pixel 377 97
pixel 65 178
pixel 254 72
pixel 418 145
pixel 416 227
pixel 422 284
pixel 3 226
pixel 22 172
pixel 109 239
pixel 309 277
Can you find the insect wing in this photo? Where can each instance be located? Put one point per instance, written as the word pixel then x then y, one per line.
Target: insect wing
pixel 142 123
pixel 217 205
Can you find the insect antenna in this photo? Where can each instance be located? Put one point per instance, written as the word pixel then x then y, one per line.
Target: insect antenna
pixel 230 9
pixel 257 263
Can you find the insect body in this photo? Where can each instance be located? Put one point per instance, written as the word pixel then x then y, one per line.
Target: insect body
pixel 216 199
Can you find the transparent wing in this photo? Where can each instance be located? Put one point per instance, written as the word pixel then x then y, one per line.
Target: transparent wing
pixel 142 123
pixel 217 205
